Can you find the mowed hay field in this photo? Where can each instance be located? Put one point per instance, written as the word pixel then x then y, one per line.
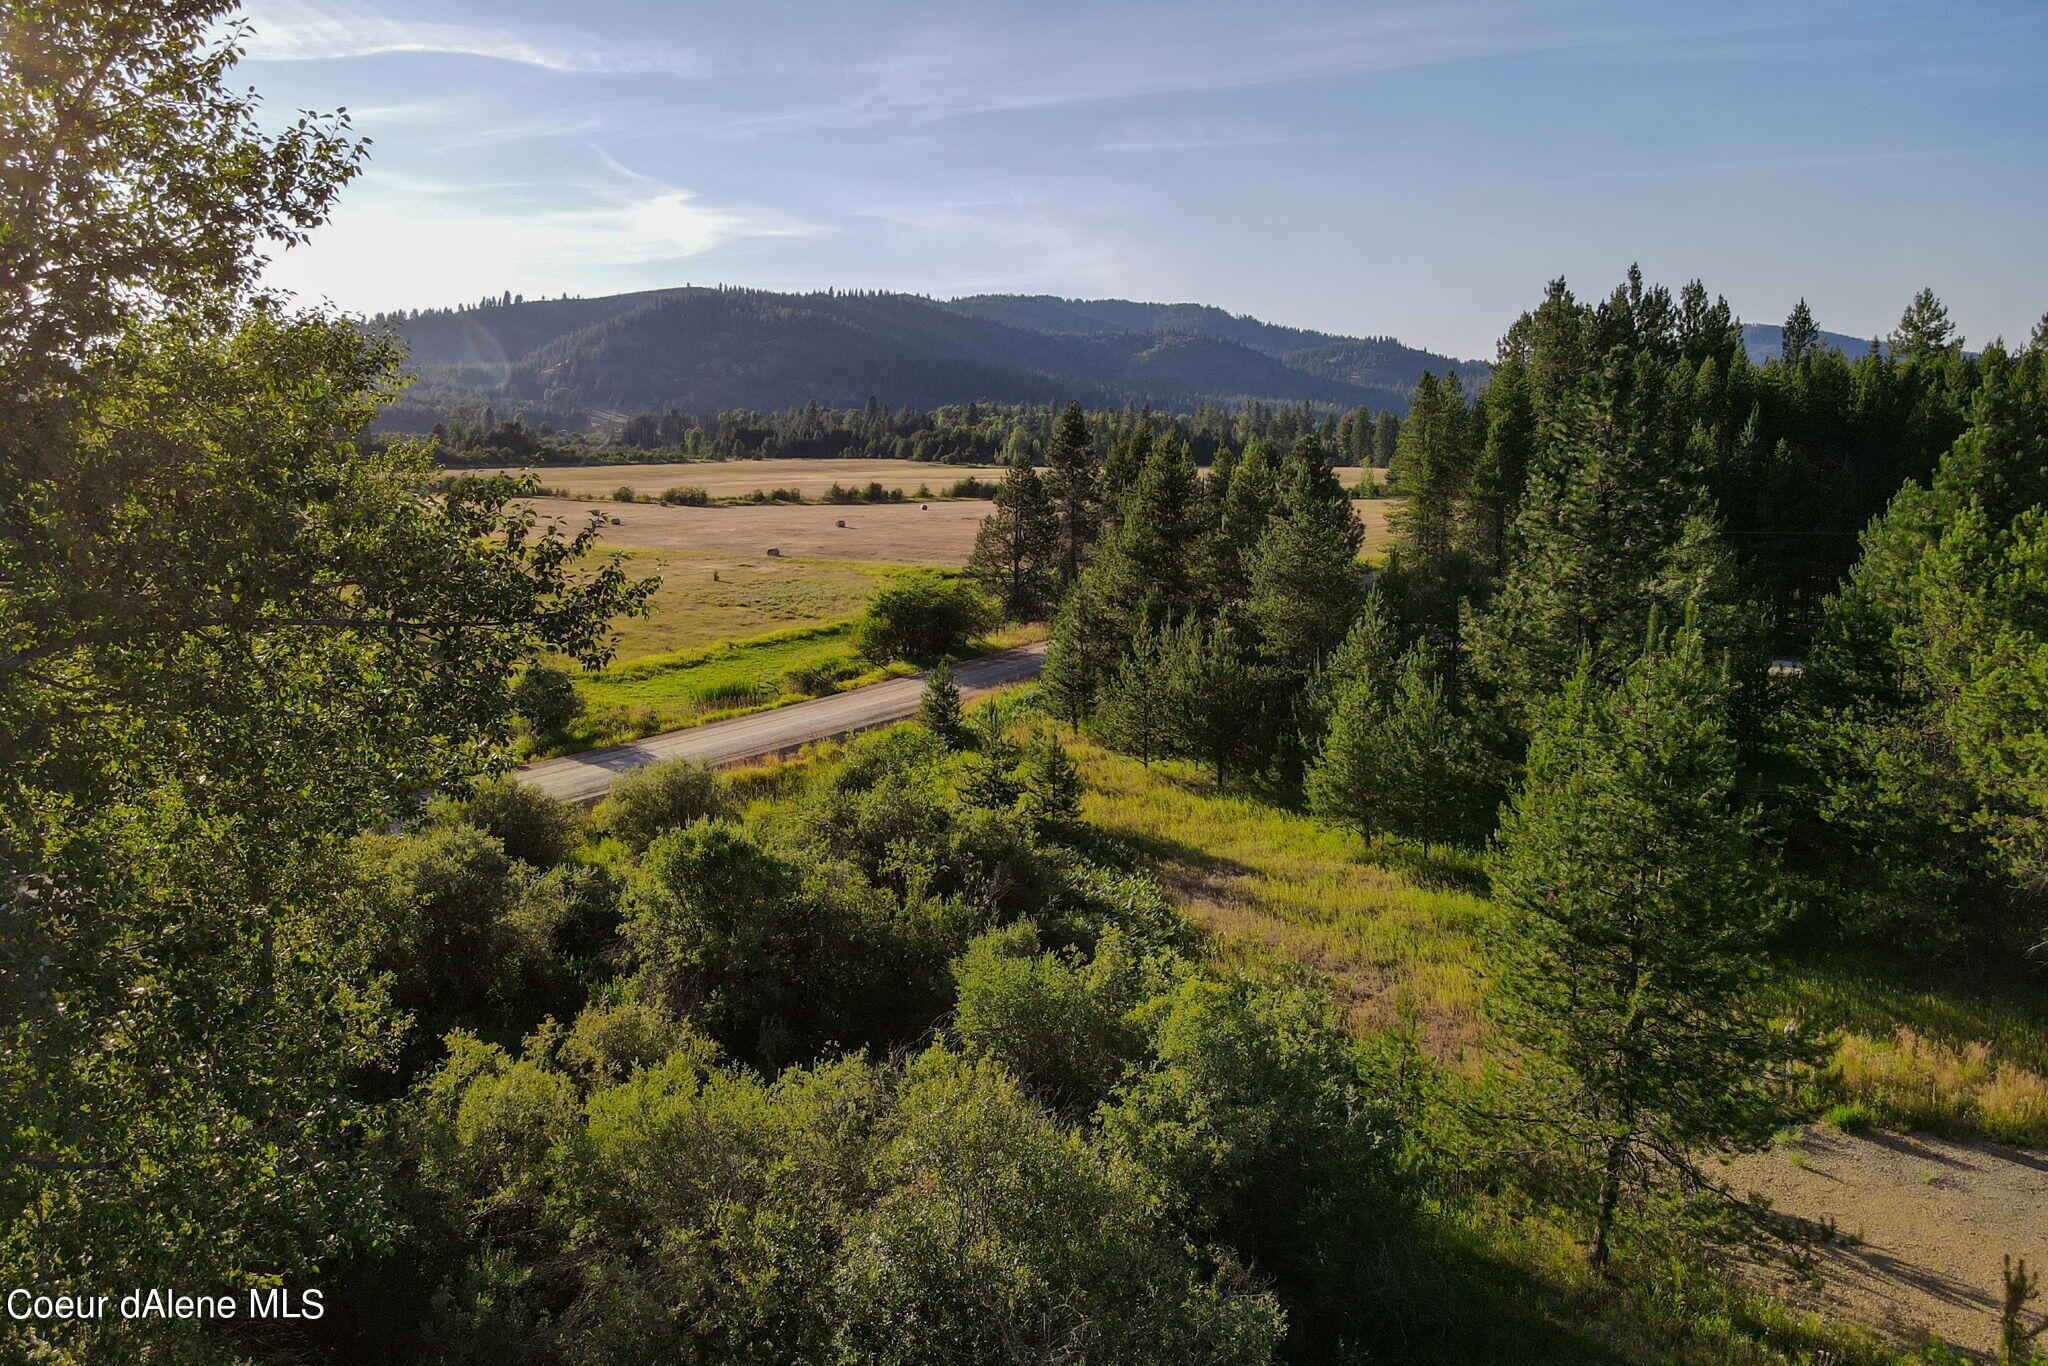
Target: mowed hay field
pixel 889 533
pixel 733 627
pixel 705 599
pixel 737 478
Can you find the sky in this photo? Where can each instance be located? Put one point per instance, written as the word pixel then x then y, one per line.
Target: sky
pixel 1413 168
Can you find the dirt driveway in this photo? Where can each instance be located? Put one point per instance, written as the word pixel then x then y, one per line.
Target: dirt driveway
pixel 1924 1221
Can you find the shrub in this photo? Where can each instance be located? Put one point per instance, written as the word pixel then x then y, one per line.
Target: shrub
pixel 624 494
pixel 1062 1025
pixel 661 797
pixel 446 927
pixel 546 697
pixel 1851 1117
pixel 610 1042
pixel 922 618
pixel 687 495
pixel 533 827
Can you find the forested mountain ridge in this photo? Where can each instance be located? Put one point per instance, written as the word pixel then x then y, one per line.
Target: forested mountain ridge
pixel 706 350
pixel 1766 341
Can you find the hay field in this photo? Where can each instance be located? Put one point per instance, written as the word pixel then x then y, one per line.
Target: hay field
pixel 890 533
pixel 737 478
pixel 705 599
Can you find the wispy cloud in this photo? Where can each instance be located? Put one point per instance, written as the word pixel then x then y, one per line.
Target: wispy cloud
pixel 312 30
pixel 946 70
pixel 469 245
pixel 1192 134
pixel 970 244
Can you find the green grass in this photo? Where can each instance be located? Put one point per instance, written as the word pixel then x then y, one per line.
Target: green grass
pixel 706 599
pixel 1954 1048
pixel 661 692
pixel 1958 1050
pixel 1393 925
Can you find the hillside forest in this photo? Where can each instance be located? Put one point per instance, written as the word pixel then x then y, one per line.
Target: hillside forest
pixel 1685 671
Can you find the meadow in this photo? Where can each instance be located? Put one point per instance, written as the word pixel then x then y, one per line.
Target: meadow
pixel 941 533
pixel 732 628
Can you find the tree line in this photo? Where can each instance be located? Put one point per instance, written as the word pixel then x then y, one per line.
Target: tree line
pixel 962 434
pixel 1712 660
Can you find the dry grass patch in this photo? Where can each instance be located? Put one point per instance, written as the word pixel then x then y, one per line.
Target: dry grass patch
pixel 1914 1082
pixel 1398 942
pixel 888 533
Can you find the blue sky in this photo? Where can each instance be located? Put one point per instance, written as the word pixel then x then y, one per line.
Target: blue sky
pixel 1410 167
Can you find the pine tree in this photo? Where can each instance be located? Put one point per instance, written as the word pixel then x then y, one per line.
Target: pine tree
pixel 1071 483
pixel 1304 582
pixel 1144 574
pixel 1015 549
pixel 1706 331
pixel 939 707
pixel 1400 758
pixel 1613 500
pixel 1372 649
pixel 1431 465
pixel 1924 332
pixel 1245 507
pixel 1800 333
pixel 1133 714
pixel 1506 418
pixel 1629 960
pixel 1386 438
pixel 1211 690
pixel 1127 458
pixel 1925 678
pixel 1155 547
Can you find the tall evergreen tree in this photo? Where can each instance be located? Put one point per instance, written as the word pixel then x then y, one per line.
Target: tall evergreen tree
pixel 1399 757
pixel 1506 419
pixel 1924 332
pixel 1386 438
pixel 1071 481
pixel 1371 649
pixel 1212 691
pixel 1016 548
pixel 1304 582
pixel 1800 333
pixel 1609 539
pixel 1132 712
pixel 1127 458
pixel 1629 960
pixel 1432 467
pixel 1925 681
pixel 1243 511
pixel 1706 331
pixel 1154 549
pixel 1143 577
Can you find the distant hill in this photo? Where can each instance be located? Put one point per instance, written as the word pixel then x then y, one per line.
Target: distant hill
pixel 706 350
pixel 1766 341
